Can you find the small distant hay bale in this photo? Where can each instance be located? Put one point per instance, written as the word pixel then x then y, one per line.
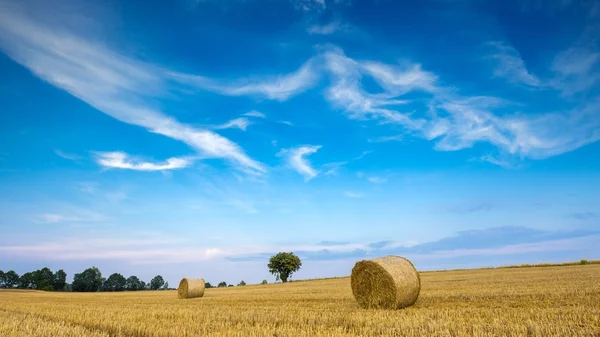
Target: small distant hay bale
pixel 389 282
pixel 190 288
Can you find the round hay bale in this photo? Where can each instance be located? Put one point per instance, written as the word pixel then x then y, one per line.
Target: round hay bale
pixel 190 288
pixel 389 282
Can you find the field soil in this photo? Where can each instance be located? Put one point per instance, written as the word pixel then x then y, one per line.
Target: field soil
pixel 536 301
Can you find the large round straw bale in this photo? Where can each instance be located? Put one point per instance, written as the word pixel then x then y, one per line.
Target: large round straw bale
pixel 389 282
pixel 190 288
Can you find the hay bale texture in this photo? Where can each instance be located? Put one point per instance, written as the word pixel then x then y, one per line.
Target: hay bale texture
pixel 190 288
pixel 389 282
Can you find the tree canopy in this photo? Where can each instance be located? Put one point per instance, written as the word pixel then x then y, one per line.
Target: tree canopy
pixel 133 283
pixel 283 265
pixel 115 282
pixel 60 280
pixel 89 280
pixel 157 282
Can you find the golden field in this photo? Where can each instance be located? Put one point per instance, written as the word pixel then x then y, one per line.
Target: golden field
pixel 535 301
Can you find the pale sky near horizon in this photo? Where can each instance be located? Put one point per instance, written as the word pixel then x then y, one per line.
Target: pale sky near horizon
pixel 198 138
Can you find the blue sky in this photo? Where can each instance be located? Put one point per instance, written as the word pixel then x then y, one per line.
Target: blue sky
pixel 197 138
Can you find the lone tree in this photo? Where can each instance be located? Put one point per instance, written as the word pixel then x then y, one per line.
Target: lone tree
pixel 283 265
pixel 157 282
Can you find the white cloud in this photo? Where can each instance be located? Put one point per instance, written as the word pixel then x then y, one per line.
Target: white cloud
pixel 80 216
pixel 67 156
pixel 121 160
pixel 502 162
pixel 240 123
pixel 327 29
pixel 574 69
pixel 296 160
pixel 354 195
pixel 110 82
pixel 286 123
pixel 456 122
pixel 510 65
pixel 377 180
pixel 279 88
pixel 387 139
pixel 332 168
pixel 347 93
pixel 256 114
pixel 309 5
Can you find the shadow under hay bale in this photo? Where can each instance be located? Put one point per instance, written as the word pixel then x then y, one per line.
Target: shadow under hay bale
pixel 389 282
pixel 191 288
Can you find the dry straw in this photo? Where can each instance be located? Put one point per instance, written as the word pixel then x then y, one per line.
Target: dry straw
pixel 190 288
pixel 389 282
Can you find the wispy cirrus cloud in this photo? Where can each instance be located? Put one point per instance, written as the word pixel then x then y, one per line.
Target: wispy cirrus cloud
pixel 511 66
pixel 256 114
pixel 68 156
pixel 333 168
pixel 75 215
pixel 383 139
pixel 121 160
pixel 454 121
pixel 328 28
pixel 377 180
pixel 279 88
pixel 240 123
pixel 576 70
pixel 296 159
pixel 354 195
pixel 108 81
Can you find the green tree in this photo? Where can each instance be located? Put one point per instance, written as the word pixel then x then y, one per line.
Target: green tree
pixel 42 279
pixel 115 282
pixel 89 280
pixel 242 283
pixel 157 282
pixel 26 281
pixel 133 283
pixel 264 282
pixel 1 279
pixel 11 279
pixel 283 265
pixel 222 284
pixel 60 280
pixel 207 285
pixel 143 285
pixel 166 287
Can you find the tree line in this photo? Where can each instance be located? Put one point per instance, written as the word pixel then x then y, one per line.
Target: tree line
pixel 282 265
pixel 89 280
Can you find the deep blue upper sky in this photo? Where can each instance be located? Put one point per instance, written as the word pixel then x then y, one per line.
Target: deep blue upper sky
pixel 150 137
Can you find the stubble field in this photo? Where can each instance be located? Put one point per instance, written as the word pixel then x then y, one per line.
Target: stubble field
pixel 539 301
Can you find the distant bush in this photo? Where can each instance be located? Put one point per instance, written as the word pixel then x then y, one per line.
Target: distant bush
pixel 584 262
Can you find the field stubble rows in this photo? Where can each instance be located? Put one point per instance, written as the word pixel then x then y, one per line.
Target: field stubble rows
pixel 550 301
